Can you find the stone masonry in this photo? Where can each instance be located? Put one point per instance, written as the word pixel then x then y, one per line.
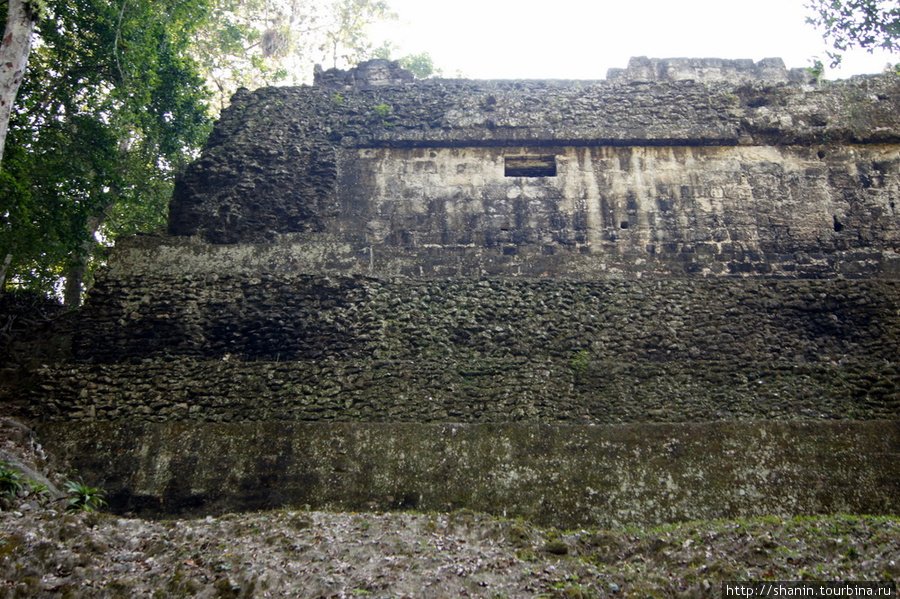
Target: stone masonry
pixel 682 281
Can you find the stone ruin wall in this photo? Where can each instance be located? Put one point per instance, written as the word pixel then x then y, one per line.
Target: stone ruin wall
pixel 720 235
pixel 311 348
pixel 646 172
pixel 706 242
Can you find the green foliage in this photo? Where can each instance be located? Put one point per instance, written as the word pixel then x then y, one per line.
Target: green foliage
pixel 39 492
pixel 11 482
pixel 251 43
pixel 382 110
pixel 111 109
pixel 867 24
pixel 346 39
pixel 115 104
pixel 817 70
pixel 83 498
pixel 14 486
pixel 421 65
pixel 580 362
pixel 38 8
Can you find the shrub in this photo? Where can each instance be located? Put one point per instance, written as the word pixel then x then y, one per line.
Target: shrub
pixel 83 498
pixel 11 483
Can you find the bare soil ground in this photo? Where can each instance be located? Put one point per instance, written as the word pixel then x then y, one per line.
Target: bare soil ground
pixel 45 553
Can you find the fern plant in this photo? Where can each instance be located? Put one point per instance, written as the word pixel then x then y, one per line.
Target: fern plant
pixel 11 483
pixel 83 498
pixel 39 492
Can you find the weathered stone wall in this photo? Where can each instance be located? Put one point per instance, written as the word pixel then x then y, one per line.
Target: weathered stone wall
pixel 330 256
pixel 710 70
pixel 304 347
pixel 269 318
pixel 673 294
pixel 668 161
pixel 566 476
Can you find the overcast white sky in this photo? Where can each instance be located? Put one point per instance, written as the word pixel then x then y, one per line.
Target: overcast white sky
pixel 581 39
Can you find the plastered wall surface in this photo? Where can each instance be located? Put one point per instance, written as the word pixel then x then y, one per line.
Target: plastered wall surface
pixel 624 200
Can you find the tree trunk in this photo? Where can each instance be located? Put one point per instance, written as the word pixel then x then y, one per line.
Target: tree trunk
pixel 14 51
pixel 3 270
pixel 72 290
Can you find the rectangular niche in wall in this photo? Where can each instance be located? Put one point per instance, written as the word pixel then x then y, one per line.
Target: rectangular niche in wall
pixel 530 166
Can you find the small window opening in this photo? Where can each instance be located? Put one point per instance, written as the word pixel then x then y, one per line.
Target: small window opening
pixel 530 166
pixel 623 224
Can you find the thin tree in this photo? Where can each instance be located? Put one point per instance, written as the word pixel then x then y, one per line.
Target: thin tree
pixel 14 50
